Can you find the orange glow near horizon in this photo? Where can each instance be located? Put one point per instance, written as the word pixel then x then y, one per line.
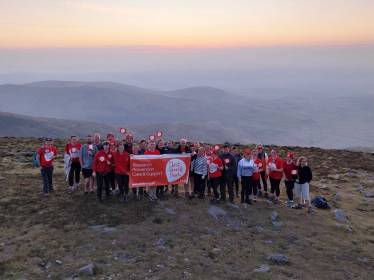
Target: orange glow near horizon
pixel 167 24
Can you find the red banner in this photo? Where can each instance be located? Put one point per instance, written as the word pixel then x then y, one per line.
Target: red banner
pixel 159 170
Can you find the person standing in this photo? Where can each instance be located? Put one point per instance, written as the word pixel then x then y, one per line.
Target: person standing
pixel 256 176
pixel 290 172
pixel 152 151
pixel 262 155
pixel 215 167
pixel 101 166
pixel 244 173
pixel 87 155
pixel 121 160
pixel 72 149
pixel 97 141
pixel 229 164
pixel 128 143
pixel 304 176
pixel 45 156
pixel 275 166
pixel 183 148
pixel 237 156
pixel 200 168
pixel 138 192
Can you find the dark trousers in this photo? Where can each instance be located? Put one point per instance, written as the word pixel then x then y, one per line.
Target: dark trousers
pixel 255 184
pixel 264 181
pixel 246 183
pixel 123 183
pixel 102 180
pixel 274 184
pixel 236 184
pixel 47 174
pixel 112 179
pixel 227 180
pixel 160 190
pixel 215 184
pixel 199 184
pixel 74 174
pixel 289 188
pixel 140 192
pixel 209 185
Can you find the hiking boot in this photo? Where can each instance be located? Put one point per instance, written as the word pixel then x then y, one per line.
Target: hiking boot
pixel 266 195
pixel 260 193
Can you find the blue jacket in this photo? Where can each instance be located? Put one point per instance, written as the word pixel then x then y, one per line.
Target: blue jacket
pixel 245 168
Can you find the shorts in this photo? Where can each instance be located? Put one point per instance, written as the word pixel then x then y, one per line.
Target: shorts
pixel 87 173
pixel 302 190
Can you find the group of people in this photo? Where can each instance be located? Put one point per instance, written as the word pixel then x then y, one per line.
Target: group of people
pixel 214 171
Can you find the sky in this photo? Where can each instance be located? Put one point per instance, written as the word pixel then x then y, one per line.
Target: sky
pixel 184 24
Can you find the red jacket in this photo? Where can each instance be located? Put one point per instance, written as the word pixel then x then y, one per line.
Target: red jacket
pixel 103 162
pixel 214 167
pixel 47 155
pixel 277 175
pixel 256 175
pixel 287 169
pixel 121 163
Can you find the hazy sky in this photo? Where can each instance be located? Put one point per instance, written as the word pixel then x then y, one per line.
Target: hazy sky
pixel 190 23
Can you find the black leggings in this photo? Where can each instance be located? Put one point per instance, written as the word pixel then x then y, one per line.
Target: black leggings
pixel 274 183
pixel 215 183
pixel 123 184
pixel 229 181
pixel 199 184
pixel 75 169
pixel 246 185
pixel 256 186
pixel 102 180
pixel 236 184
pixel 264 181
pixel 289 188
pixel 112 179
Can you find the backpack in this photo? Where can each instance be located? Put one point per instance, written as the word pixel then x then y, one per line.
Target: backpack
pixel 320 202
pixel 35 161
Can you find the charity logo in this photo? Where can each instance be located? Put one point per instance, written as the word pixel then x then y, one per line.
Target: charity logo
pixel 212 168
pixel 122 130
pixel 159 134
pixel 259 165
pixel 294 172
pixel 48 155
pixel 175 169
pixel 227 161
pixel 101 158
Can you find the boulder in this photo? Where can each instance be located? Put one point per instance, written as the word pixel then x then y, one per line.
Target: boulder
pixel 264 268
pixel 340 216
pixel 89 270
pixel 216 212
pixel 279 259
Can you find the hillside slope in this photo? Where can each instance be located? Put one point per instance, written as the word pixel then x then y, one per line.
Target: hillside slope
pixel 183 239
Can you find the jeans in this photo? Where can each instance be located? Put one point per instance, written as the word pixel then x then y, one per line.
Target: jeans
pixel 47 173
pixel 74 174
pixel 289 188
pixel 227 180
pixel 123 183
pixel 102 180
pixel 274 183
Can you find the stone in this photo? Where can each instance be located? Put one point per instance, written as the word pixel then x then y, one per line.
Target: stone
pixel 264 268
pixel 369 194
pixel 161 243
pixel 337 197
pixel 89 270
pixel 279 259
pixel 233 205
pixel 102 228
pixel 274 216
pixel 58 262
pixel 345 227
pixel 216 212
pixel 170 211
pixel 340 216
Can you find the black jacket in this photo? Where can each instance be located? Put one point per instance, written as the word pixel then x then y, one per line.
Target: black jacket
pixel 304 174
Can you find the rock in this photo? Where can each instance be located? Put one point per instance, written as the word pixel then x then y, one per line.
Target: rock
pixel 340 216
pixel 360 188
pixel 170 211
pixel 59 262
pixel 89 270
pixel 2 178
pixel 268 242
pixel 161 243
pixel 277 224
pixel 344 227
pixel 278 259
pixel 215 212
pixel 369 194
pixel 259 229
pixel 102 228
pixel 337 197
pixel 233 205
pixel 264 268
pixel 274 216
pixel 363 259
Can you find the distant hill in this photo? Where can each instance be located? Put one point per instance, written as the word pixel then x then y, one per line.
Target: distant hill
pixel 205 113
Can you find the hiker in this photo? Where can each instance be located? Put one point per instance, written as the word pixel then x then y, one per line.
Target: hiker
pixel 171 149
pixel 208 153
pixel 142 147
pixel 262 155
pixel 200 169
pixel 137 150
pixel 101 167
pixel 97 141
pixel 215 167
pixel 129 142
pixel 229 163
pixel 303 178
pixel 194 151
pixel 256 176
pixel 238 157
pixel 45 156
pixel 72 150
pixel 244 173
pixel 275 166
pixel 160 190
pixel 183 148
pixel 121 160
pixel 152 151
pixel 289 170
pixel 112 174
pixel 86 157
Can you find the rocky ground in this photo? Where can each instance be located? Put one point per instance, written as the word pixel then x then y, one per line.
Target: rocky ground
pixel 73 236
